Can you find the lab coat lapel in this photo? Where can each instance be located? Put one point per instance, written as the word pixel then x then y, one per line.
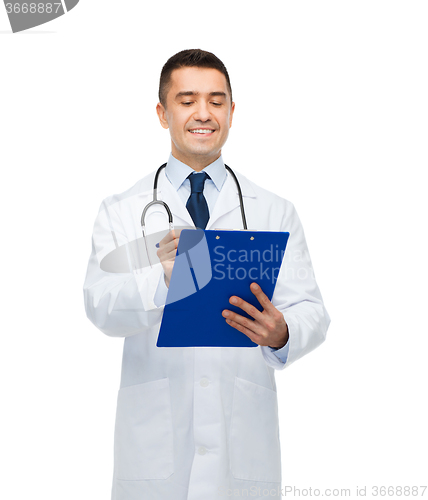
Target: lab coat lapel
pixel 228 198
pixel 167 193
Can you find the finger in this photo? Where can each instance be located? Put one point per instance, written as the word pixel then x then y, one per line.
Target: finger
pixel 171 255
pixel 262 297
pixel 164 254
pixel 169 246
pixel 243 329
pixel 172 245
pixel 245 306
pixel 170 236
pixel 244 322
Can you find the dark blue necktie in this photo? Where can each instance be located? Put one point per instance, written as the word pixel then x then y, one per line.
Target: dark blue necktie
pixel 197 204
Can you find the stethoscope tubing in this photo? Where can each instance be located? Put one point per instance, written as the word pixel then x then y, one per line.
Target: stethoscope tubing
pixel 170 218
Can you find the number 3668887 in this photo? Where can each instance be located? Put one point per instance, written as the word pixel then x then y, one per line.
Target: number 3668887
pixel 33 8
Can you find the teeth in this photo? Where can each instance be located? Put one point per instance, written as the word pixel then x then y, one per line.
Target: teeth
pixel 201 131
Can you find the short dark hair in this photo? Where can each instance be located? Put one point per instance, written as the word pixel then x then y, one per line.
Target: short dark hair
pixel 189 58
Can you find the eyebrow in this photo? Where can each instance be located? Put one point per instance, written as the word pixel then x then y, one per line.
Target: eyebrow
pixel 191 92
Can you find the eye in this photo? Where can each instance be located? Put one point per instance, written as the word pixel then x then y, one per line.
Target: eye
pixel 187 103
pixel 216 103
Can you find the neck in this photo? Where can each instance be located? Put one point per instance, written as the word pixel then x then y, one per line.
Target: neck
pixel 196 163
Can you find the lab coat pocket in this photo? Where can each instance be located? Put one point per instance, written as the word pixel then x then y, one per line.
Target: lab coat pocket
pixel 143 435
pixel 254 435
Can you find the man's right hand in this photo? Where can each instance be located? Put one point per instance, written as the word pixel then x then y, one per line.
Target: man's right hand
pixel 167 251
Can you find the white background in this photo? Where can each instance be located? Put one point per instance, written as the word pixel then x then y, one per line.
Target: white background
pixel 331 113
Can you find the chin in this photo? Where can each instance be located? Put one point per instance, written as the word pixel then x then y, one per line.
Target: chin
pixel 203 152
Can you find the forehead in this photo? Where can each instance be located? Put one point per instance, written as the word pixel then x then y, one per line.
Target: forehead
pixel 198 80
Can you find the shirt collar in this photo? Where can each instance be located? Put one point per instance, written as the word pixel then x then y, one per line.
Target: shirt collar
pixel 177 172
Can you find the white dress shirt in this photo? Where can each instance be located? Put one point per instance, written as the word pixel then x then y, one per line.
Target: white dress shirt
pixel 177 173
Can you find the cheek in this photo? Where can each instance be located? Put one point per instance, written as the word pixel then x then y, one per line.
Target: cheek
pixel 225 120
pixel 174 128
pixel 176 119
pixel 180 122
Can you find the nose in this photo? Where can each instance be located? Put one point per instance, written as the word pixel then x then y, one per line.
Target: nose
pixel 202 112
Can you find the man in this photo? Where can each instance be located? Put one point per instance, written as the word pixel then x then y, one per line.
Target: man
pixel 198 423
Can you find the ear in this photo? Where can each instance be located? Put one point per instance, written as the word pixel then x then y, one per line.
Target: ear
pixel 161 111
pixel 232 110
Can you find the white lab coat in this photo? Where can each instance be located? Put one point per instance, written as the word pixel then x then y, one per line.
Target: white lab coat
pixel 197 423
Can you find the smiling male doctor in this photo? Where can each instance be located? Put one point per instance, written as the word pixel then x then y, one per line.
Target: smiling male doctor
pixel 199 423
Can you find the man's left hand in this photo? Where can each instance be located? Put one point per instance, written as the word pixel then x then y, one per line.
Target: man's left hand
pixel 268 327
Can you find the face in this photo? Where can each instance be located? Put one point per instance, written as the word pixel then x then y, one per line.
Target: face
pixel 198 114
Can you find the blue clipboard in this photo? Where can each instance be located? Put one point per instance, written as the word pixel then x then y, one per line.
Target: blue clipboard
pixel 210 266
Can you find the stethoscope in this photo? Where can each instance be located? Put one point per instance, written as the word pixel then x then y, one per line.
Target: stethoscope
pixel 170 219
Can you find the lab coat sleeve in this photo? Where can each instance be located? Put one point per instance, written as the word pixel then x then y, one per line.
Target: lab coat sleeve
pixel 298 297
pixel 121 303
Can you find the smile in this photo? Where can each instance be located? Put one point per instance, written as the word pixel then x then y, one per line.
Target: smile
pixel 201 131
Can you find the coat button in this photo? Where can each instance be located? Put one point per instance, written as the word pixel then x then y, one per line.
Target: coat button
pixel 204 382
pixel 202 450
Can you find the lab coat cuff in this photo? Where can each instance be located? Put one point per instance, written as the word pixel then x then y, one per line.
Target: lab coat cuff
pixel 282 353
pixel 147 285
pixel 293 335
pixel 161 292
pixel 271 359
